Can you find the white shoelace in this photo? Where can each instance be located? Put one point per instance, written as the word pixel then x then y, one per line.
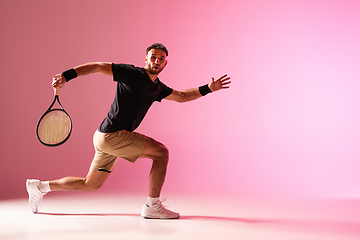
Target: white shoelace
pixel 162 208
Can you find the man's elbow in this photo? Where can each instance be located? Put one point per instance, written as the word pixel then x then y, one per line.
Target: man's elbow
pixel 182 98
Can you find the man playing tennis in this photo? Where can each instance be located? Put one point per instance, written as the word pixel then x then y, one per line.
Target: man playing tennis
pixel 137 89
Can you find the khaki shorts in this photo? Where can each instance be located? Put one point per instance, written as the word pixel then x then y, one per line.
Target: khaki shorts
pixel 110 146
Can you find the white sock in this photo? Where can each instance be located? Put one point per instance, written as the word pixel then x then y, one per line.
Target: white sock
pixel 151 201
pixel 44 187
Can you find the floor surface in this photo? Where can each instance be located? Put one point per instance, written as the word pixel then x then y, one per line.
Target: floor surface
pixel 98 216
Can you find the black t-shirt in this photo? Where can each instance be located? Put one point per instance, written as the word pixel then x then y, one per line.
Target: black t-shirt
pixel 134 95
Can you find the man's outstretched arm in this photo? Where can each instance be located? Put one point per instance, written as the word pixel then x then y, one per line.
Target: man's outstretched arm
pixel 94 67
pixel 194 93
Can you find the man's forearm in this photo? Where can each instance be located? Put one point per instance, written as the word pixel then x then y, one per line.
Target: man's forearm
pixel 101 67
pixel 190 94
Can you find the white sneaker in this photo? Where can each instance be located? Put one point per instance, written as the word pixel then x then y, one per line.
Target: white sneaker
pixel 158 211
pixel 35 195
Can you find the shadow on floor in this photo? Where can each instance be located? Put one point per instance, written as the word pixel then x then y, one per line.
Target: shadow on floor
pixel 307 225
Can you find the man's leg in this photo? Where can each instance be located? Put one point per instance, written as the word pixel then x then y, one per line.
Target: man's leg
pixel 100 169
pixel 160 156
pixel 93 181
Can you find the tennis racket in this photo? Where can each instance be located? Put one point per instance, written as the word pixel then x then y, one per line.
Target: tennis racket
pixel 54 127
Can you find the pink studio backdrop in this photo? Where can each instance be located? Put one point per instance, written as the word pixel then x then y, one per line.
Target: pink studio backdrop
pixel 289 125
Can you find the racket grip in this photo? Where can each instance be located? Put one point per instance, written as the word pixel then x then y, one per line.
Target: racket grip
pixel 56 90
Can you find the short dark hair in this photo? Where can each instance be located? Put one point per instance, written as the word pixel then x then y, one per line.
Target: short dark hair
pixel 157 46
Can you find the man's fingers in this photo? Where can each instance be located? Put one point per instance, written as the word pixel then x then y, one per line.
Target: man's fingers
pixel 57 81
pixel 220 83
pixel 226 82
pixel 222 76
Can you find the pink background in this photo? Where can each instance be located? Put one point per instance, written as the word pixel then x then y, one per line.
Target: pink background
pixel 287 127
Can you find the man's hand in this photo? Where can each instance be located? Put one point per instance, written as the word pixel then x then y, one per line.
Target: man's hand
pixel 220 83
pixel 58 81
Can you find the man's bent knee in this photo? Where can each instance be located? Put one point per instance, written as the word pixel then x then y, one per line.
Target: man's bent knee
pixel 164 153
pixel 95 179
pixel 156 151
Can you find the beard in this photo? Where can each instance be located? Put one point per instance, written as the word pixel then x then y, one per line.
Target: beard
pixel 153 70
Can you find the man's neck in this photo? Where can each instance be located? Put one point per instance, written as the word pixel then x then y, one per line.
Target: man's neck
pixel 151 76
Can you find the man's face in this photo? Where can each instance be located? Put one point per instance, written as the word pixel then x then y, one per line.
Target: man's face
pixel 155 61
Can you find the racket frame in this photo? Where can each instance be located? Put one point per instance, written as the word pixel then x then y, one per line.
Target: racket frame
pixel 56 99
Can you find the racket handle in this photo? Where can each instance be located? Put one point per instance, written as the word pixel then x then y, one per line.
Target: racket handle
pixel 56 90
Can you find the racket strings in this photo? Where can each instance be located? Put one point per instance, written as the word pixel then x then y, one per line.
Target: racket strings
pixel 54 127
